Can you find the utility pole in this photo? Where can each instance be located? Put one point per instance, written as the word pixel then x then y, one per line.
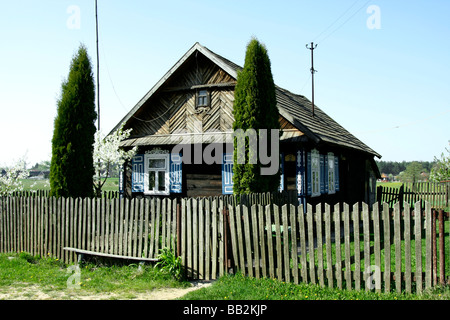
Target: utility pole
pixel 98 69
pixel 312 71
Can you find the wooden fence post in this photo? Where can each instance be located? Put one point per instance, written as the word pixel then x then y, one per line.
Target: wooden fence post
pixel 178 229
pixel 433 237
pixel 441 248
pixel 401 194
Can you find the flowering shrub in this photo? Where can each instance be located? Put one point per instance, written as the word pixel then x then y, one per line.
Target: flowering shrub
pixel 441 172
pixel 11 181
pixel 107 153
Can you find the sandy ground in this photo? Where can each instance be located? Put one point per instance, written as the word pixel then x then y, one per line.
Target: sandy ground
pixel 33 292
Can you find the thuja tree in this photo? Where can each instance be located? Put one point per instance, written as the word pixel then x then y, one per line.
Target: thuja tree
pixel 254 108
pixel 72 169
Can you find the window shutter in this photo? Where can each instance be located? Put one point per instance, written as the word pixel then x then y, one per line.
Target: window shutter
pixel 176 177
pixel 300 173
pixel 336 173
pixel 308 174
pixel 322 174
pixel 137 177
pixel 227 173
pixel 281 187
pixel 325 174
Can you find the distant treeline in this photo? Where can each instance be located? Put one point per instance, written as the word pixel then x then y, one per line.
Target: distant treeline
pixel 394 168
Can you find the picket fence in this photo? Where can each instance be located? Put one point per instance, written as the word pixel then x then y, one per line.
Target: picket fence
pixel 345 247
pixel 437 194
pixel 339 247
pixel 44 226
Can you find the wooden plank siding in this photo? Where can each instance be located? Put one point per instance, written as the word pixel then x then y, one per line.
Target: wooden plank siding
pixel 173 109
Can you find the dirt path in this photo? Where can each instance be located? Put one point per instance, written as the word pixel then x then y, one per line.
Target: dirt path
pixel 34 292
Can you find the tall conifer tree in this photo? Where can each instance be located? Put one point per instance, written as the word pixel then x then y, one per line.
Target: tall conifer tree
pixel 255 107
pixel 72 170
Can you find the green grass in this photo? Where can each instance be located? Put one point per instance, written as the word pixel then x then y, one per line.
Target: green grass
pixel 238 287
pixel 390 184
pixel 111 184
pixel 23 271
pixel 392 251
pixel 51 275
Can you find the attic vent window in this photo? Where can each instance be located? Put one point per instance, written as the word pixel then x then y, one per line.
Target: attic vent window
pixel 202 98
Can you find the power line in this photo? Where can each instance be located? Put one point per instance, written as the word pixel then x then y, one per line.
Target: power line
pixel 342 24
pixel 334 22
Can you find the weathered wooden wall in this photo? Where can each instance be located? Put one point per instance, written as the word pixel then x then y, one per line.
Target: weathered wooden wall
pixel 173 109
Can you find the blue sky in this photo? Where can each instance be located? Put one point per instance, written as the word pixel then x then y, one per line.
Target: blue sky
pixel 390 86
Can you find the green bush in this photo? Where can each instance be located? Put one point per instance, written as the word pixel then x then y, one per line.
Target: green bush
pixel 170 263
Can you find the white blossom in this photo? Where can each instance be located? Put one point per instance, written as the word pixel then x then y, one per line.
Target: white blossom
pixel 107 153
pixel 441 171
pixel 12 181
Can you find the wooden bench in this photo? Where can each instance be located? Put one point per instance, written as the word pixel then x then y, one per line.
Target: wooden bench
pixel 82 252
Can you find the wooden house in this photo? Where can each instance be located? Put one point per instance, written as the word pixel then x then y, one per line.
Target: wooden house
pixel 188 113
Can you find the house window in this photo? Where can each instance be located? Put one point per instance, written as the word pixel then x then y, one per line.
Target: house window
pixel 315 173
pixel 156 175
pixel 202 98
pixel 331 174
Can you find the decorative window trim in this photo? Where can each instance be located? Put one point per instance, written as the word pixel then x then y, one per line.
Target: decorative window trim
pixel 202 98
pixel 315 173
pixel 158 171
pixel 157 151
pixel 331 174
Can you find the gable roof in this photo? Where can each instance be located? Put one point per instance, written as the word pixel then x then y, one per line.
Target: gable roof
pixel 293 107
